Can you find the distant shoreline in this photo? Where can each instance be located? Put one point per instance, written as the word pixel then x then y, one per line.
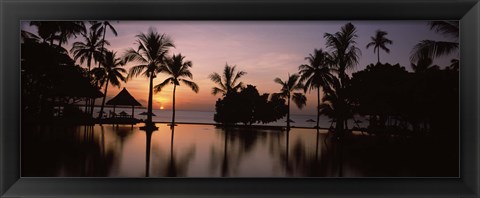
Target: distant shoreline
pixel 142 107
pixel 241 125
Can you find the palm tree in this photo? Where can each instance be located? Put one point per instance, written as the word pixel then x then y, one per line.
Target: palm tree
pixel 112 72
pixel 102 27
pixel 177 68
pixel 423 65
pixel 58 30
pixel 433 48
pixel 46 30
pixel 344 55
pixel 69 29
pixel 88 50
pixel 228 81
pixel 379 42
pixel 27 36
pixel 343 50
pixel 334 107
pixel 288 87
pixel 151 54
pixel 316 74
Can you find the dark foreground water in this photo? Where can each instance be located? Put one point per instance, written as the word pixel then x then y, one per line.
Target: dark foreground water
pixel 206 151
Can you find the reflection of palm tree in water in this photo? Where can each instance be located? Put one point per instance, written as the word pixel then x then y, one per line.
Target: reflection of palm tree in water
pixel 287 151
pixel 225 166
pixel 103 140
pixel 339 155
pixel 93 160
pixel 148 134
pixel 172 169
pixel 177 167
pixel 88 137
pixel 326 160
pixel 316 145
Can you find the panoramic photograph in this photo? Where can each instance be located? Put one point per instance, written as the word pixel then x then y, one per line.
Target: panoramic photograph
pixel 209 99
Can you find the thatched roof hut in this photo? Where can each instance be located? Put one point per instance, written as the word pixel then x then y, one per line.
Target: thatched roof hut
pixel 124 98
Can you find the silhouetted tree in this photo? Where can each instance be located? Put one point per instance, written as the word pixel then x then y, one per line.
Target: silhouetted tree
pixel 288 87
pixel 227 81
pixel 271 110
pixel 176 68
pixel 433 49
pixel 46 30
pixel 69 29
pixel 101 27
pixel 88 50
pixel 345 55
pixel 248 107
pixel 399 102
pixel 378 91
pixel 59 31
pixel 379 42
pixel 151 54
pixel 316 75
pixel 50 78
pixel 111 72
pixel 424 64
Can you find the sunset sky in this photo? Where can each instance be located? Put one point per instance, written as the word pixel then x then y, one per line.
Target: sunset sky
pixel 263 49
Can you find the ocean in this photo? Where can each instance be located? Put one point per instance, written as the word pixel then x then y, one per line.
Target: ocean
pixel 206 117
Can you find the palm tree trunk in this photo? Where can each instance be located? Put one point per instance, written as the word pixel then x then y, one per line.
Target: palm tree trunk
pixel 86 105
pixel 99 63
pixel 318 106
pixel 173 106
pixel 288 114
pixel 378 54
pixel 316 147
pixel 103 101
pixel 103 41
pixel 339 126
pixel 150 96
pixel 92 106
pixel 89 63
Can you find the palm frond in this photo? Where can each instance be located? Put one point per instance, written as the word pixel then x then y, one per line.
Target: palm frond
pixel 432 49
pixel 191 84
pixel 114 80
pixel 279 81
pixel 238 76
pixel 448 28
pixel 216 78
pixel 132 55
pixel 299 99
pixel 136 70
pixel 237 87
pixel 216 90
pixel 159 87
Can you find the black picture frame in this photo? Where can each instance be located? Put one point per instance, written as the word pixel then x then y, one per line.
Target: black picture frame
pixel 12 12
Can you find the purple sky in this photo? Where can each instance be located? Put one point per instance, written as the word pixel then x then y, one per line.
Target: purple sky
pixel 264 49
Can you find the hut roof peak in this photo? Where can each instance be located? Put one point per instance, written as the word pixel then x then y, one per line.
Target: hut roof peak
pixel 123 98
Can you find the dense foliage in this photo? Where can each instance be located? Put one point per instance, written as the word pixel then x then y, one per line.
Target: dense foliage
pixel 53 82
pixel 402 101
pixel 248 107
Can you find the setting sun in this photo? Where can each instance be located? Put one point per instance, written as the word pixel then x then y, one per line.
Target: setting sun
pixel 162 107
